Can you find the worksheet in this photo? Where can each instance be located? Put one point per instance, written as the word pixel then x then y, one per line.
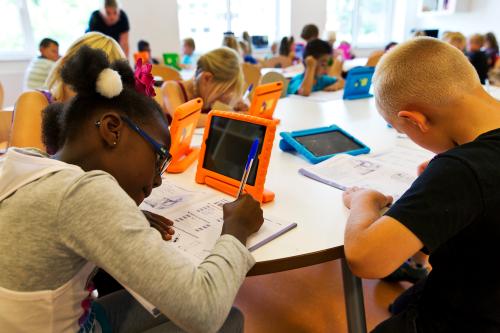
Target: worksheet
pixel 198 220
pixel 391 172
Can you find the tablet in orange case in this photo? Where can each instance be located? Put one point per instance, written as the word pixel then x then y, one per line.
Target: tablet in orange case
pixel 226 143
pixel 181 132
pixel 265 98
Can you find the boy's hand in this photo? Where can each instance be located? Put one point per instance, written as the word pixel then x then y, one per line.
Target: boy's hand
pixel 242 217
pixel 353 195
pixel 160 223
pixel 422 167
pixel 310 61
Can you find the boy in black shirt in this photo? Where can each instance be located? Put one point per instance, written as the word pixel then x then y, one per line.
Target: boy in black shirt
pixel 452 211
pixel 478 58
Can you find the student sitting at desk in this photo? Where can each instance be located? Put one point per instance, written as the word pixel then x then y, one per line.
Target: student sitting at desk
pixel 218 77
pixel 189 58
pixel 452 210
pixel 62 216
pixel 317 61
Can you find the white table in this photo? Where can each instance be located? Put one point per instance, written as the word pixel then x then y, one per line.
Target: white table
pixel 317 208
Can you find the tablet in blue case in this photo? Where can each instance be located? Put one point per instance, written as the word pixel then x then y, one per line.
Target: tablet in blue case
pixel 358 83
pixel 319 144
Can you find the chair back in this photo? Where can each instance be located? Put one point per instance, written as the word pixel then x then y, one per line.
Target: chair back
pixel 276 77
pixel 252 75
pixel 26 129
pixel 166 73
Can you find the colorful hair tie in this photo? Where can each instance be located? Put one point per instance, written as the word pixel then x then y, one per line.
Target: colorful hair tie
pixel 144 81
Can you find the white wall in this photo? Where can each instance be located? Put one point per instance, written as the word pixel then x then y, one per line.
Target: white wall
pixel 307 11
pixel 155 21
pixel 11 76
pixel 472 16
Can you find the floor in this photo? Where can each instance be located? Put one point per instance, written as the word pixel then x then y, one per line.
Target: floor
pixel 309 300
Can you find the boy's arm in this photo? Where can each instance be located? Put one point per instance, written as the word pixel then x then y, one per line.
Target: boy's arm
pixel 375 246
pixel 336 86
pixel 307 85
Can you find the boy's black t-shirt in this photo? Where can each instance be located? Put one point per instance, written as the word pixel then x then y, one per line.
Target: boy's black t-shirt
pixel 454 209
pixel 479 60
pixel 96 23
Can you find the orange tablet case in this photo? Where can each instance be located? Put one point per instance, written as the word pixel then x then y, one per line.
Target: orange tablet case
pixel 229 185
pixel 143 55
pixel 181 132
pixel 264 99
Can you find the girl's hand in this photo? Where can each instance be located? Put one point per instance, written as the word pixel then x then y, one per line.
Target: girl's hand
pixel 160 223
pixel 353 195
pixel 240 106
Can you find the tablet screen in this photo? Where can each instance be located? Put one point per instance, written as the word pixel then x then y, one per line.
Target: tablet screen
pixel 228 145
pixel 327 143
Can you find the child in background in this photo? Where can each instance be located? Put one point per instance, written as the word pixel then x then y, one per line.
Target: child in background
pixel 188 56
pixel 35 101
pixel 40 67
pixel 452 210
pixel 285 56
pixel 143 46
pixel 478 58
pixel 246 52
pixel 317 62
pixel 491 48
pixel 218 77
pixel 345 50
pixel 61 216
pixel 231 42
pixel 310 32
pixel 457 39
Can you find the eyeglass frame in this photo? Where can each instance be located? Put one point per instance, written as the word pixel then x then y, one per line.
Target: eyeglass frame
pixel 160 150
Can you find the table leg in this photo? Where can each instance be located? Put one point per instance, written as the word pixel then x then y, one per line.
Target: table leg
pixel 353 295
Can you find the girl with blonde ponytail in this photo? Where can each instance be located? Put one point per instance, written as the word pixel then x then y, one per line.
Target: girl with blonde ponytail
pixel 218 77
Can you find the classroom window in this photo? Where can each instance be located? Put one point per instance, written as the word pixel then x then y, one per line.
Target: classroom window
pixel 363 23
pixel 29 21
pixel 13 41
pixel 206 21
pixel 63 21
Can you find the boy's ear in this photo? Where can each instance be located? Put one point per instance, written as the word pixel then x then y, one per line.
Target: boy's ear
pixel 415 118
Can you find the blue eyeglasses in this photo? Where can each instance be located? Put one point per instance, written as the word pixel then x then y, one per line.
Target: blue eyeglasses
pixel 163 157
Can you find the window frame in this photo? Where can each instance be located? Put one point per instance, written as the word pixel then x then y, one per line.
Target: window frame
pixel 356 25
pixel 229 16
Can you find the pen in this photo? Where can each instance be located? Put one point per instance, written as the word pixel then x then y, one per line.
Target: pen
pixel 245 96
pixel 248 166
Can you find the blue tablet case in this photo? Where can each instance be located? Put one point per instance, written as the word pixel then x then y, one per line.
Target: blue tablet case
pixel 358 83
pixel 288 143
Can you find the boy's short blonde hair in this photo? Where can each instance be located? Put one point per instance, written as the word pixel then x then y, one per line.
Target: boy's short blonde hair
pixel 95 40
pixel 422 73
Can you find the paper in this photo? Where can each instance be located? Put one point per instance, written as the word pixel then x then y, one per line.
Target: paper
pixel 198 220
pixel 391 172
